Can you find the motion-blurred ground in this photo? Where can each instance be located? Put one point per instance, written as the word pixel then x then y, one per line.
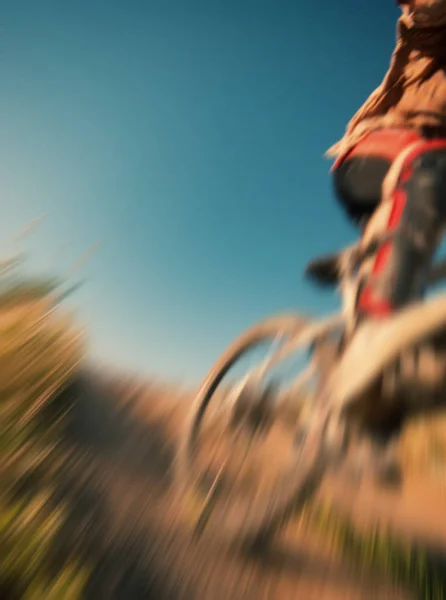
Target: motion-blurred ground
pixel 88 511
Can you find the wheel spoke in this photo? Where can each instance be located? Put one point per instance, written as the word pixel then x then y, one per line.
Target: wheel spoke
pixel 242 450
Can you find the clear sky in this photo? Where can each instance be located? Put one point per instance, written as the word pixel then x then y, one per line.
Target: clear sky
pixel 188 138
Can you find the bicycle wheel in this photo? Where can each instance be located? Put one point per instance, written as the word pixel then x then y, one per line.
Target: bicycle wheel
pixel 257 473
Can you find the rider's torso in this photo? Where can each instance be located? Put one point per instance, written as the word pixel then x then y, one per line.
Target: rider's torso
pixel 413 91
pixel 420 104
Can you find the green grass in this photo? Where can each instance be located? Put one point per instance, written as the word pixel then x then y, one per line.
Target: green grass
pixel 422 452
pixel 407 565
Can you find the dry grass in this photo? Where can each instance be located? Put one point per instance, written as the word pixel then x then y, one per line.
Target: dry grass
pixel 39 352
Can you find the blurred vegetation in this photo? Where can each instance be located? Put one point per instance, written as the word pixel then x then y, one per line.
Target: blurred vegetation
pixel 416 568
pixel 40 350
pixel 422 454
pixel 423 447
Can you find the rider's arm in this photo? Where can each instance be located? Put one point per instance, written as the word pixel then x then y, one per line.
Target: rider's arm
pixel 424 13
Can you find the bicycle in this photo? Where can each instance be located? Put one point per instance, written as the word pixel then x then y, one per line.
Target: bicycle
pixel 403 372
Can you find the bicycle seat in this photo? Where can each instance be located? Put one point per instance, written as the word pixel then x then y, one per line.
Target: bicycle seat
pixel 324 270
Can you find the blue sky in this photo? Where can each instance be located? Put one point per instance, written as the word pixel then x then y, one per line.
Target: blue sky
pixel 188 138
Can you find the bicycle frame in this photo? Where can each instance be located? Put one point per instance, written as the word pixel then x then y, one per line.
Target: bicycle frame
pixel 386 340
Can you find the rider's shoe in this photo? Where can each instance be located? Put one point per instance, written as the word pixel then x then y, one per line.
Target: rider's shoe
pixel 324 271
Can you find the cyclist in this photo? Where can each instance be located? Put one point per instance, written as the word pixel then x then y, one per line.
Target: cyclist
pixel 401 125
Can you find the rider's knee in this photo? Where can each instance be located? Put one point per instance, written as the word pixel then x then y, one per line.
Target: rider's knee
pixel 424 180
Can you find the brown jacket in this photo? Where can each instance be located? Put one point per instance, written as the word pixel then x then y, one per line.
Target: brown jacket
pixel 413 91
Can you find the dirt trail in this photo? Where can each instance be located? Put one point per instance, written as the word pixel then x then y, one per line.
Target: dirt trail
pixel 117 481
pixel 416 511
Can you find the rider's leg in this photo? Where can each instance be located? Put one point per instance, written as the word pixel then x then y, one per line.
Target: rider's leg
pixel 358 176
pixel 417 217
pixel 357 181
pixel 415 193
pixel 415 209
